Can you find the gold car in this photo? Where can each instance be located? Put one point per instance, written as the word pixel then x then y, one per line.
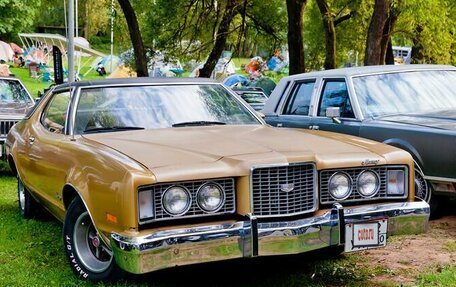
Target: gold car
pixel 148 174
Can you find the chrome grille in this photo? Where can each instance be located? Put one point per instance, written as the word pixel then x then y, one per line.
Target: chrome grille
pixel 5 126
pixel 192 187
pixel 326 198
pixel 270 200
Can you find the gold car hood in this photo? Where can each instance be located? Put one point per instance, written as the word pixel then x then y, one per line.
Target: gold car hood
pixel 216 150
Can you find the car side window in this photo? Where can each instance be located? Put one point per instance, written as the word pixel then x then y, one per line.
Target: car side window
pixel 55 114
pixel 335 94
pixel 299 101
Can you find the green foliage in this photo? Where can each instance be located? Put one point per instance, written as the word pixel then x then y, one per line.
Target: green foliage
pixel 351 33
pixel 186 28
pixel 17 16
pixel 430 26
pixel 443 276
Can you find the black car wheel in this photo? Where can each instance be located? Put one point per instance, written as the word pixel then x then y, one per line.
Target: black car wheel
pixel 422 189
pixel 27 204
pixel 88 256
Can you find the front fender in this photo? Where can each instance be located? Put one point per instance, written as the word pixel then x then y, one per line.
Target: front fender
pixel 408 147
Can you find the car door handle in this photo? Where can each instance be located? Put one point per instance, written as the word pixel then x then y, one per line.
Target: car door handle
pixel 31 140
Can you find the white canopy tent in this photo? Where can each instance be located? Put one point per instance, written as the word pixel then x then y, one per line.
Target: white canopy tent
pixel 81 47
pixel 6 52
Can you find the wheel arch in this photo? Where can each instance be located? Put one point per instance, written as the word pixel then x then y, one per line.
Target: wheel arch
pixel 12 165
pixel 69 193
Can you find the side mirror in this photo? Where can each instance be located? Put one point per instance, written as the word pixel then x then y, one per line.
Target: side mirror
pixel 40 94
pixel 334 114
pixel 261 115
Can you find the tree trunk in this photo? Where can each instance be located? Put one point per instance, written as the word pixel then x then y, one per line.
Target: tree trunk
pixel 232 8
pixel 330 35
pixel 136 38
pixel 86 19
pixel 295 11
pixel 389 58
pixel 386 39
pixel 373 55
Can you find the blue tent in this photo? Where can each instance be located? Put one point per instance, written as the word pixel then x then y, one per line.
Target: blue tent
pixel 235 79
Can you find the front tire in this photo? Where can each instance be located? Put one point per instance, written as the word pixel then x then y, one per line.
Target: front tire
pixel 88 256
pixel 423 190
pixel 28 206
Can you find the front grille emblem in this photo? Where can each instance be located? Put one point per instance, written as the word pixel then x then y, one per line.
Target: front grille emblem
pixel 287 187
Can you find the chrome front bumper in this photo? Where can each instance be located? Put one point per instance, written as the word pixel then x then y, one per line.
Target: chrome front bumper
pixel 251 238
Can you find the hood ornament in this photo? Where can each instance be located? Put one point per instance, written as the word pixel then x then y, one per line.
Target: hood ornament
pixel 287 187
pixel 370 162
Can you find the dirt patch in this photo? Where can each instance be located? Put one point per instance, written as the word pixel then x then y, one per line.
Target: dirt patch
pixel 405 257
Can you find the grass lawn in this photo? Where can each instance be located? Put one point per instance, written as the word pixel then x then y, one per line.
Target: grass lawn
pixel 32 254
pixel 34 85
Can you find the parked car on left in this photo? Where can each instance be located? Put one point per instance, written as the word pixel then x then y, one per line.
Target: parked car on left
pixel 15 102
pixel 149 174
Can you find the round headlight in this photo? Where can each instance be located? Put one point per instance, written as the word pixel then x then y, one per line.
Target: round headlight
pixel 368 183
pixel 340 186
pixel 210 197
pixel 176 200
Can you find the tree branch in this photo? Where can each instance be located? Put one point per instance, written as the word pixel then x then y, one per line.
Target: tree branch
pixel 346 17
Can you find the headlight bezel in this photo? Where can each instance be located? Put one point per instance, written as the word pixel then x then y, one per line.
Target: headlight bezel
pixel 326 199
pixel 222 202
pixel 377 188
pixel 350 185
pixel 160 215
pixel 189 201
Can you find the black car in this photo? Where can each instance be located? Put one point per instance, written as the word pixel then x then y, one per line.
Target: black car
pixel 255 97
pixel 412 107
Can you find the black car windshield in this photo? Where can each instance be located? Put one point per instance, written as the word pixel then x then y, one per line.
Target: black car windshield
pixel 152 107
pixel 11 91
pixel 406 92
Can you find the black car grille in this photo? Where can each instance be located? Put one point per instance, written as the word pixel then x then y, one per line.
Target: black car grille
pixel 326 198
pixel 5 126
pixel 192 186
pixel 269 185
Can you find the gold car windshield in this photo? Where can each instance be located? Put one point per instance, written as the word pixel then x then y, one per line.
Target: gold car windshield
pixel 152 107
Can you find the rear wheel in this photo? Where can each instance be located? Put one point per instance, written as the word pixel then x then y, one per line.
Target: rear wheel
pixel 27 204
pixel 88 256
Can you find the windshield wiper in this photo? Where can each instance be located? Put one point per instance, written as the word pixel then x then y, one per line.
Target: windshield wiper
pixel 198 123
pixel 111 129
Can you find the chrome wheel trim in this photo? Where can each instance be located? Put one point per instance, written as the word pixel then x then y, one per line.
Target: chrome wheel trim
pixel 21 194
pixel 422 190
pixel 96 259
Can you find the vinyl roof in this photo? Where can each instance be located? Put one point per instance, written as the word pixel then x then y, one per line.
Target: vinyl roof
pixel 136 81
pixel 356 71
